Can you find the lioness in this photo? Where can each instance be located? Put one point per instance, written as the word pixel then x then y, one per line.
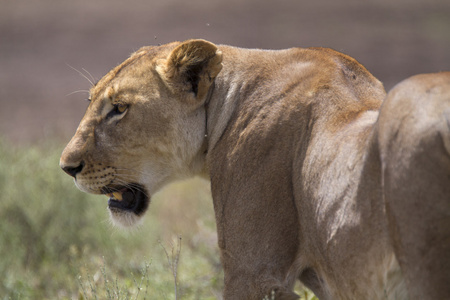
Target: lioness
pixel 310 179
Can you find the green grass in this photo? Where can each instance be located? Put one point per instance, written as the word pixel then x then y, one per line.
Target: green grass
pixel 57 242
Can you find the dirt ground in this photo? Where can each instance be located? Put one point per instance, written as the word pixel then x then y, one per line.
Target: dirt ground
pixel 42 41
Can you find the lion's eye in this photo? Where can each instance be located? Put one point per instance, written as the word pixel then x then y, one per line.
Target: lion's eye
pixel 120 108
pixel 118 111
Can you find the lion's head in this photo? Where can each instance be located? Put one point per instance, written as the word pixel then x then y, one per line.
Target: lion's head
pixel 144 127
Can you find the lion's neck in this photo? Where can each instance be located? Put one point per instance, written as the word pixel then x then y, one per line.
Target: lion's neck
pixel 233 86
pixel 219 108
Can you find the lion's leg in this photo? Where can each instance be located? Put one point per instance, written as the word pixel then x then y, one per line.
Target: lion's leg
pixel 248 285
pixel 257 228
pixel 415 146
pixel 257 251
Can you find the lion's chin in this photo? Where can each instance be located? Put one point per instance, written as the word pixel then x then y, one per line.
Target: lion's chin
pixel 124 219
pixel 127 204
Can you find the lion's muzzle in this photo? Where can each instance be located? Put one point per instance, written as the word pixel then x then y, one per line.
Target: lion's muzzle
pixel 131 198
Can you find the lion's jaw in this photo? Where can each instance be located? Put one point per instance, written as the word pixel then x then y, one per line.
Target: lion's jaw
pixel 138 134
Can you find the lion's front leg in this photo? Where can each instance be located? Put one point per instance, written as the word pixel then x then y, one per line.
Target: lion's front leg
pixel 240 284
pixel 246 281
pixel 258 238
pixel 256 213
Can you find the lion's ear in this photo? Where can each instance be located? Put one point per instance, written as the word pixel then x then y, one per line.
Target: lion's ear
pixel 192 67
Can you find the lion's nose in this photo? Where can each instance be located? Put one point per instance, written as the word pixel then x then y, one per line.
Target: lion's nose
pixel 73 170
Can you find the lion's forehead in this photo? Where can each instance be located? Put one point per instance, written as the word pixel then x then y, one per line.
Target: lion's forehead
pixel 133 70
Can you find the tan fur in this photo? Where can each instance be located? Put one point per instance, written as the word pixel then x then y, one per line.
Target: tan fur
pixel 308 181
pixel 414 138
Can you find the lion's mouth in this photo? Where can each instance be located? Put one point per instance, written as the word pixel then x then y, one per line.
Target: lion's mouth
pixel 132 198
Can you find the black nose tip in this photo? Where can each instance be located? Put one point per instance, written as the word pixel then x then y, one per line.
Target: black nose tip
pixel 73 171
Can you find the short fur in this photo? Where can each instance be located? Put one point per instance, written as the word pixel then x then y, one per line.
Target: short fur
pixel 310 179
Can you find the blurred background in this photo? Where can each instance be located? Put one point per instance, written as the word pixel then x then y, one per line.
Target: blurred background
pixel 56 242
pixel 40 40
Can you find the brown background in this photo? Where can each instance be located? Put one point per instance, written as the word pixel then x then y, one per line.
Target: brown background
pixel 394 39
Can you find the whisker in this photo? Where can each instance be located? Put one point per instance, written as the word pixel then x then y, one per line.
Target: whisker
pixel 132 186
pixel 112 189
pixel 79 91
pixel 136 187
pixel 127 176
pixel 135 171
pixel 81 73
pixel 92 77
